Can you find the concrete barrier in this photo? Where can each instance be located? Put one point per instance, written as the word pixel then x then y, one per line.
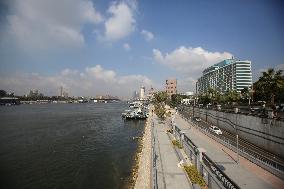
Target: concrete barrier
pixel 263 132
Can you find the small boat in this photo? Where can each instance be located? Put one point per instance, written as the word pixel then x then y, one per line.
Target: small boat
pixel 135 112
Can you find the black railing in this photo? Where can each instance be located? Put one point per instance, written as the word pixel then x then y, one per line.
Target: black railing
pixel 222 177
pixel 267 163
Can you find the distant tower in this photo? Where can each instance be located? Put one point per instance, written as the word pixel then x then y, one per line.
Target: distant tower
pixel 135 95
pixel 61 91
pixel 142 93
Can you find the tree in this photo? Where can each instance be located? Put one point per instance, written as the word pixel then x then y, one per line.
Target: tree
pixel 3 93
pixel 214 96
pixel 270 84
pixel 160 99
pixel 245 94
pixel 176 99
pixel 232 96
pixel 204 99
pixel 160 111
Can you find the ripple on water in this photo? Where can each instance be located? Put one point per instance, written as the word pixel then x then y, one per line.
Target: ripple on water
pixel 66 146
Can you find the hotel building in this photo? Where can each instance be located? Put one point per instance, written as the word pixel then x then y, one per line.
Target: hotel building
pixel 224 76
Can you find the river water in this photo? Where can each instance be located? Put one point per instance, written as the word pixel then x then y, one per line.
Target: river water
pixel 67 146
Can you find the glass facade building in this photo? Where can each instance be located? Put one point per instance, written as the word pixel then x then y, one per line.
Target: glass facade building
pixel 224 76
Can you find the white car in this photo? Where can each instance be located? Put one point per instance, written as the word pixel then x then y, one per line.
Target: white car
pixel 215 130
pixel 197 119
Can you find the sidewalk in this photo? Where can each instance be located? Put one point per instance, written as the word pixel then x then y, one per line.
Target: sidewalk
pixel 246 174
pixel 169 175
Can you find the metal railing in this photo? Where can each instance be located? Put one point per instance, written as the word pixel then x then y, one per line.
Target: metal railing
pixel 213 176
pixel 264 162
pixel 226 181
pixel 154 158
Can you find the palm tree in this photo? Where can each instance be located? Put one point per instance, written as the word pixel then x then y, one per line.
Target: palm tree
pixel 271 82
pixel 213 94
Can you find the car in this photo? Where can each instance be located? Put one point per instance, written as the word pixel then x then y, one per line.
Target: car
pixel 215 130
pixel 254 109
pixel 197 119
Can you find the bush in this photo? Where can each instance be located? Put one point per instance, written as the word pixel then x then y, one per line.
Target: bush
pixel 194 175
pixel 177 144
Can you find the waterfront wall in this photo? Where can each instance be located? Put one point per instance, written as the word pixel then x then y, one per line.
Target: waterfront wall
pixel 263 132
pixel 143 180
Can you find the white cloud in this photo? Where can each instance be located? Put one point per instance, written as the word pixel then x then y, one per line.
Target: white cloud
pixel 99 73
pixel 92 81
pixel 47 24
pixel 89 12
pixel 189 60
pixel 67 72
pixel 148 36
pixel 279 67
pixel 126 47
pixel 186 84
pixel 189 63
pixel 122 21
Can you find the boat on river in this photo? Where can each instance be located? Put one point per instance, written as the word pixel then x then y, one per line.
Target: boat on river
pixel 136 111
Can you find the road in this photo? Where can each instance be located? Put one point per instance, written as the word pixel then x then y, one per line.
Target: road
pixel 242 142
pixel 245 174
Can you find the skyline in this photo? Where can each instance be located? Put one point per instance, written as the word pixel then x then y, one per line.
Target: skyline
pixel 114 47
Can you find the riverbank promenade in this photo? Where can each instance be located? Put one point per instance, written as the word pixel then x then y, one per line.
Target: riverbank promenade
pixel 245 174
pixel 169 174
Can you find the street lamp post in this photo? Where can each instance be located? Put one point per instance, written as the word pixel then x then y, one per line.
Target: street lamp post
pixel 237 147
pixel 237 136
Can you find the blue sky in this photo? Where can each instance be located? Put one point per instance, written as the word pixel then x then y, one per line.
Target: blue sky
pixel 114 47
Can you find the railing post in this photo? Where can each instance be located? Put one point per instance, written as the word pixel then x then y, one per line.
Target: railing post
pixel 200 152
pixel 181 138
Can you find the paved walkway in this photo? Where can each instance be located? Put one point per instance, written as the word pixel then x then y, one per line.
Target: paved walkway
pixel 169 175
pixel 246 174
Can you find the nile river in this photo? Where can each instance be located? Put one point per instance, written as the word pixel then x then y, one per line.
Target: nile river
pixel 67 146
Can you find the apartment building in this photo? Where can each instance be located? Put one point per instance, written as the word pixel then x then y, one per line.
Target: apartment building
pixel 171 86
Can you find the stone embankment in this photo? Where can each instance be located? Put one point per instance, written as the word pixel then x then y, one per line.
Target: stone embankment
pixel 143 180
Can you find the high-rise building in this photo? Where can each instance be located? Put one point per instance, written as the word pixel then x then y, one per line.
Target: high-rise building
pixel 224 76
pixel 135 95
pixel 171 86
pixel 142 93
pixel 61 91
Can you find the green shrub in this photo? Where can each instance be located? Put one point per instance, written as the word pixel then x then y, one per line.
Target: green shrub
pixel 194 175
pixel 176 143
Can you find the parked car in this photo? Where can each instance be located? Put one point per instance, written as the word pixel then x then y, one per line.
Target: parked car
pixel 216 130
pixel 255 109
pixel 197 119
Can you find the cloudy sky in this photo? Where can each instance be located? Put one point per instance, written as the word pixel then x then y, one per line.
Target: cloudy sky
pixel 93 47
